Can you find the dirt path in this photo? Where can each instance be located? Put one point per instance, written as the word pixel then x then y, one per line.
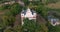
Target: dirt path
pixel 40 19
pixel 18 20
pixel 1 13
pixel 42 22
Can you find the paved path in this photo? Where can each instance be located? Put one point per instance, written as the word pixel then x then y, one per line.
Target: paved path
pixel 12 2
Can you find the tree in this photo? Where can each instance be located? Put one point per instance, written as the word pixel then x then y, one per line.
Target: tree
pixel 54 28
pixel 8 21
pixel 29 25
pixel 33 26
pixel 15 9
pixel 26 2
pixel 42 10
pixel 8 29
pixel 4 7
pixel 17 28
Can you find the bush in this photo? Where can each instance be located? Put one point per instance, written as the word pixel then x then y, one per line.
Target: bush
pixel 4 7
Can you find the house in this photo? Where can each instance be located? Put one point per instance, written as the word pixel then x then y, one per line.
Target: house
pixel 53 21
pixel 28 13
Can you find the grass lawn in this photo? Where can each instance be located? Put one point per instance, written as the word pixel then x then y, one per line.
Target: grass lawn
pixel 54 5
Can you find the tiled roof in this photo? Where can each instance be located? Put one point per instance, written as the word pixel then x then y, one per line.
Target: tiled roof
pixel 33 11
pixel 24 11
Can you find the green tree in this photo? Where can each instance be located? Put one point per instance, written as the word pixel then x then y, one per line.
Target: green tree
pixel 42 10
pixel 29 25
pixel 26 2
pixel 17 28
pixel 15 9
pixel 33 26
pixel 8 29
pixel 4 7
pixel 54 28
pixel 8 21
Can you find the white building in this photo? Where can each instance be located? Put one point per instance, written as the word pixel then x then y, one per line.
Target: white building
pixel 30 14
pixel 53 21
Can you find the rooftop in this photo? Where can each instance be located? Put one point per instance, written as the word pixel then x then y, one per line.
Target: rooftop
pixel 29 10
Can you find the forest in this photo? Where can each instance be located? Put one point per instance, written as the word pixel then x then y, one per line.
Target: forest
pixel 9 12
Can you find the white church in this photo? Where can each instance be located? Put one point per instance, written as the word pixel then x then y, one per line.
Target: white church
pixel 28 13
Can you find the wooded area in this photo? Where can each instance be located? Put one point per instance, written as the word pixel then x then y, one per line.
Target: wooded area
pixel 8 13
